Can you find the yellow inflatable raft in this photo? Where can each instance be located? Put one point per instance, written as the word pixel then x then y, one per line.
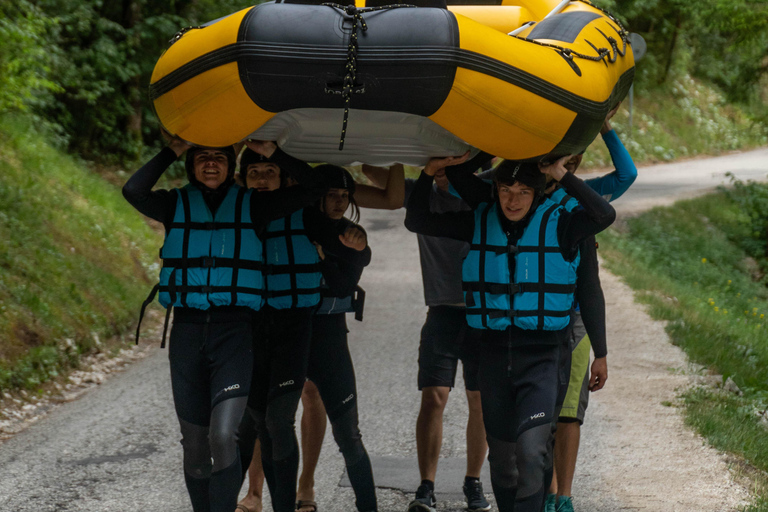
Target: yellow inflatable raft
pixel 397 83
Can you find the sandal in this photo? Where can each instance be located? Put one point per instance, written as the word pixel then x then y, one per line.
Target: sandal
pixel 306 503
pixel 242 508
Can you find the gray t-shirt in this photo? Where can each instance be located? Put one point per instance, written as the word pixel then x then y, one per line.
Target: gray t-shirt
pixel 441 258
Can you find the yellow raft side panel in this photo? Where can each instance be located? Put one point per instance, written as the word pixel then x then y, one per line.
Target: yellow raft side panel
pixel 198 43
pixel 522 121
pixel 211 109
pixel 502 18
pixel 539 8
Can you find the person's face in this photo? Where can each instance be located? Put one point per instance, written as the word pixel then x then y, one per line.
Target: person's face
pixel 441 180
pixel 263 176
pixel 515 200
pixel 336 202
pixel 211 167
pixel 573 163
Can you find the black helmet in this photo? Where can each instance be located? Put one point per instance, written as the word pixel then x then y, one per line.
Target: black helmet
pixel 189 164
pixel 527 173
pixel 336 177
pixel 251 157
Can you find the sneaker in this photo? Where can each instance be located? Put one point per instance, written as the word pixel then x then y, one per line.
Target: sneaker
pixel 565 504
pixel 476 501
pixel 424 500
pixel 549 505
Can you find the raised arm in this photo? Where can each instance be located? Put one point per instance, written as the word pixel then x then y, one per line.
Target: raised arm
pixel 470 188
pixel 595 215
pixel 159 204
pixel 342 239
pixel 419 219
pixel 613 185
pixel 388 196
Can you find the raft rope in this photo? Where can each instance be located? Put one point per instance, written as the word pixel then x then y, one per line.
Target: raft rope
pixel 348 86
pixel 568 54
pixel 181 32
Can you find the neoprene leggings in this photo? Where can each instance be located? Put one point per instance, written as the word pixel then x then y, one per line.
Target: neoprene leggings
pixel 210 355
pixel 518 389
pixel 330 368
pixel 281 351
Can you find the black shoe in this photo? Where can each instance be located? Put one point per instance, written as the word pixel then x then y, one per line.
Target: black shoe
pixel 424 500
pixel 476 501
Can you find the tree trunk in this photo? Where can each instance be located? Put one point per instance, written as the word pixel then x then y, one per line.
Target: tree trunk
pixel 132 16
pixel 671 51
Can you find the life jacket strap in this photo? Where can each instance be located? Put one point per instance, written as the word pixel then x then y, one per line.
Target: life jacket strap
pixel 150 298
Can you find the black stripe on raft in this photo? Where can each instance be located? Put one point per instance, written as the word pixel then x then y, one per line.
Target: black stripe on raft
pixel 564 27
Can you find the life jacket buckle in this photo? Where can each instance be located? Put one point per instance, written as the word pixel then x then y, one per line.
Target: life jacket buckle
pixel 208 262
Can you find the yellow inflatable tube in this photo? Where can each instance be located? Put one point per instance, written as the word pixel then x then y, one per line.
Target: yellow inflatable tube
pixel 397 84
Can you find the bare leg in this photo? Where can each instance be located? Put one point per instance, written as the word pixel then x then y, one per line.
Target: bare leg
pixel 252 500
pixel 553 483
pixel 477 446
pixel 313 425
pixel 566 451
pixel 429 429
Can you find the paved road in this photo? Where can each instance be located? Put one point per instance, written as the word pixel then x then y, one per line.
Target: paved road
pixel 116 449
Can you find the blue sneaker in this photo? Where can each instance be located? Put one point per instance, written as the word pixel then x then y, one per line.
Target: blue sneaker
pixel 549 504
pixel 476 501
pixel 564 504
pixel 424 501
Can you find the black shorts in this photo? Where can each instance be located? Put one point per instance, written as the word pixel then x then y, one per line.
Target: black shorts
pixel 445 339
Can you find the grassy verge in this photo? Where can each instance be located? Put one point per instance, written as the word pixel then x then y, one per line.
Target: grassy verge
pixel 701 266
pixel 75 259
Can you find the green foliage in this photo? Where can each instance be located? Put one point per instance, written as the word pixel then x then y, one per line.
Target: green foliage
pixel 696 265
pixel 683 119
pixel 75 259
pixel 722 41
pixel 751 232
pixel 25 60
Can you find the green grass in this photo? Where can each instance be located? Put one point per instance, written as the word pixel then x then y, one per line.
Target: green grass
pixel 681 120
pixel 700 265
pixel 75 258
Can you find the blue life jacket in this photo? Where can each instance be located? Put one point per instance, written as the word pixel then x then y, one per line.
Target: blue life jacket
pixel 212 260
pixel 540 296
pixel 293 277
pixel 560 197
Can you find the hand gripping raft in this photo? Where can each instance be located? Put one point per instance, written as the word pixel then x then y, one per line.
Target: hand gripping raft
pixel 403 83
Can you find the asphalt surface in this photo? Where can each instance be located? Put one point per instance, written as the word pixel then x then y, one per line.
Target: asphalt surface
pixel 117 448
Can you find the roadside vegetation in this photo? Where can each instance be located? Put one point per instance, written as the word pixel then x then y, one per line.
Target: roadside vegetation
pixel 702 266
pixel 75 259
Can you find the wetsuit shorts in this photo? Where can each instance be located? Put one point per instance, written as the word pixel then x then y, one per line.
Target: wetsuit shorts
pixel 577 396
pixel 446 339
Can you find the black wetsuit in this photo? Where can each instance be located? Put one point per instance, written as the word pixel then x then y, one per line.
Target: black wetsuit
pixel 211 350
pixel 519 368
pixel 331 369
pixel 282 340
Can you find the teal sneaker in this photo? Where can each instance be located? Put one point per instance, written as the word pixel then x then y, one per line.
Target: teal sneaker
pixel 564 504
pixel 549 505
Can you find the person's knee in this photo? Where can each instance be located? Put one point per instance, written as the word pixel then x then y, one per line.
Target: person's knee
pixel 346 432
pixel 501 459
pixel 532 449
pixel 310 392
pixel 280 422
pixel 197 452
pixel 434 398
pixel 474 403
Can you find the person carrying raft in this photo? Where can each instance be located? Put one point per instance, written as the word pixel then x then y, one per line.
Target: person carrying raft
pixel 283 334
pixel 212 277
pixel 519 279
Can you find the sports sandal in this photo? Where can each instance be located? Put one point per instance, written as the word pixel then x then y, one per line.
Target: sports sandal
pixel 306 503
pixel 242 508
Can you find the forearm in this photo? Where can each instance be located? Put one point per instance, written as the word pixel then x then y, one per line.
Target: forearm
pixel 390 197
pixel 419 219
pixel 301 171
pixel 589 295
pixel 138 189
pixel 613 185
pixel 326 233
pixel 472 189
